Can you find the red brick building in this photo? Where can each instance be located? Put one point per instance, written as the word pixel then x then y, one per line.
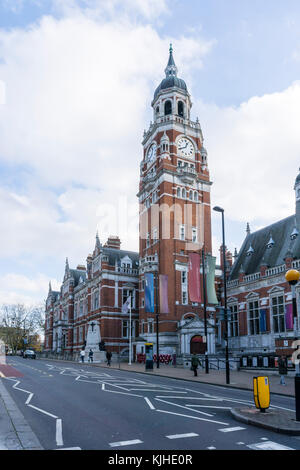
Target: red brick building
pixel 94 295
pixel 261 326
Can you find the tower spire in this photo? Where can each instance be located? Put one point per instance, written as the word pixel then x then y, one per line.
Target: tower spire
pixel 171 69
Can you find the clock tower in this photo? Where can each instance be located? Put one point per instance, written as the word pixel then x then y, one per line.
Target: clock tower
pixel 174 208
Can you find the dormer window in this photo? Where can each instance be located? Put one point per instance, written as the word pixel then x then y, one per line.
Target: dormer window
pixel 270 243
pixel 250 251
pixel 294 234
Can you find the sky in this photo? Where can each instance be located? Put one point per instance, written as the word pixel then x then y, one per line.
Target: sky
pixel 76 82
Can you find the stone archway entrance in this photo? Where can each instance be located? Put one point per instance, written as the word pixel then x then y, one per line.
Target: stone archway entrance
pixel 196 345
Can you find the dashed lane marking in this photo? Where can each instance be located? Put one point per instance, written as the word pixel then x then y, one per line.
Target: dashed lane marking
pixel 182 436
pixel 238 428
pixel 125 443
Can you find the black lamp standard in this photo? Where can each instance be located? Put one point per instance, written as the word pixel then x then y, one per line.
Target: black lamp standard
pixel 219 209
pixel 204 311
pixel 292 276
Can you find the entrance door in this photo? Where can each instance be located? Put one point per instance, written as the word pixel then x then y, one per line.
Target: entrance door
pixel 197 346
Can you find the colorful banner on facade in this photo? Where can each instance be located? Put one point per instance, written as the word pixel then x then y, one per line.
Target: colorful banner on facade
pixel 263 320
pixel 289 320
pixel 163 294
pixel 149 293
pixel 210 280
pixel 194 278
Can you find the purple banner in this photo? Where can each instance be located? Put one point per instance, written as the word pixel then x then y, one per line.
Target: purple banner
pixel 194 278
pixel 289 321
pixel 163 294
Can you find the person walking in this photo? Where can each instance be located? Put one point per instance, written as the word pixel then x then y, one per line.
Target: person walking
pixel 82 355
pixel 194 364
pixel 282 369
pixel 108 357
pixel 91 354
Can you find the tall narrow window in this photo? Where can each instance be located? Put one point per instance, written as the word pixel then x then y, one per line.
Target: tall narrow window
pixel 168 107
pixel 180 109
pixel 253 316
pixel 277 307
pixel 233 323
pixel 194 235
pixel 182 232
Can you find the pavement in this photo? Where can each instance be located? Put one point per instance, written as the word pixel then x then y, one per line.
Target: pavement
pixel 16 434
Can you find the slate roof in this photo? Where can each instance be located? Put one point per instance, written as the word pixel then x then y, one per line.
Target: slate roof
pixel 115 254
pixel 280 232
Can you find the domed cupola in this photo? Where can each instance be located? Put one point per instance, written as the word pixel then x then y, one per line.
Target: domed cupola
pixel 171 80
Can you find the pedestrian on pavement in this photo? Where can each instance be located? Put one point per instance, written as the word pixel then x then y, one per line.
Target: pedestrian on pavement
pixel 282 369
pixel 82 355
pixel 91 354
pixel 194 364
pixel 108 357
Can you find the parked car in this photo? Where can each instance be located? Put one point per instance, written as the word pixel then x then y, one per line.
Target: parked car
pixel 29 354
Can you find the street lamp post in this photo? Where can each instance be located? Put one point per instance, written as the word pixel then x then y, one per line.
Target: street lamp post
pixel 292 276
pixel 205 314
pixel 219 209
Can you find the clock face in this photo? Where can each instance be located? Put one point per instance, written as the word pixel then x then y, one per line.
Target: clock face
pixel 185 148
pixel 152 152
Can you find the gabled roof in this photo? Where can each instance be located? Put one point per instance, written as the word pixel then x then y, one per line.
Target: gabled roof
pixel 264 252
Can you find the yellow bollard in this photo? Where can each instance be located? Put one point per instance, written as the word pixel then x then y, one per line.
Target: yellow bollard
pixel 261 391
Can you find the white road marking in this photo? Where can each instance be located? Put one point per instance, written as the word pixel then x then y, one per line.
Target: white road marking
pixel 192 417
pixel 69 448
pixel 268 445
pixel 238 428
pixel 181 406
pixel 210 406
pixel 43 411
pixel 211 448
pixel 182 436
pixel 125 443
pixel 149 403
pixel 59 438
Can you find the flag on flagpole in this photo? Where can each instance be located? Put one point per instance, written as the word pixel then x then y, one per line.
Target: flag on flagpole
pixel 126 305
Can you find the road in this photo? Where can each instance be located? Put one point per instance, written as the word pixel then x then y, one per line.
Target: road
pixel 76 406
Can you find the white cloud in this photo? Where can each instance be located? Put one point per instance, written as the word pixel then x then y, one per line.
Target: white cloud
pixel 78 94
pixel 254 155
pixel 17 288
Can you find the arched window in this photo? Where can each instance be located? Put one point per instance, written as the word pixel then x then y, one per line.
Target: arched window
pixel 178 192
pixel 180 109
pixel 168 107
pixel 191 195
pixel 183 193
pixel 195 196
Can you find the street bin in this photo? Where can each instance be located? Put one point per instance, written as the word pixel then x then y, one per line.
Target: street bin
pixel 261 392
pixel 149 356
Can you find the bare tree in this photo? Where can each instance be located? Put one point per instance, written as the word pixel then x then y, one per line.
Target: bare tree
pixel 19 323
